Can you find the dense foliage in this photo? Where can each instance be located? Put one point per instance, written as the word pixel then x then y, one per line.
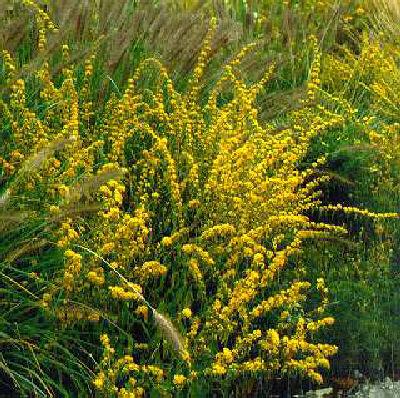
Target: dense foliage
pixel 177 237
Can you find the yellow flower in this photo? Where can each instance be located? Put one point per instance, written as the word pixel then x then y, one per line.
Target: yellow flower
pixel 227 355
pixel 273 337
pixel 187 313
pixel 328 320
pixel 193 203
pixel 99 381
pixel 179 380
pixel 166 241
pixel 258 258
pixel 218 369
pixel 143 311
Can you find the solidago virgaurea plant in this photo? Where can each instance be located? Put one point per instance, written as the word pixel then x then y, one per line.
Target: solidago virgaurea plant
pixel 180 215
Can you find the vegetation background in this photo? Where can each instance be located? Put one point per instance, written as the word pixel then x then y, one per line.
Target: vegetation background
pixel 66 71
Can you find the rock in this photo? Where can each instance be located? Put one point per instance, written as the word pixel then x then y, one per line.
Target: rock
pixel 321 393
pixel 386 389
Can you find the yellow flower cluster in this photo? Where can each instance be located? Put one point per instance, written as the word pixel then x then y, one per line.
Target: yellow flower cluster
pixel 143 311
pixel 358 211
pixel 75 313
pixel 151 269
pixel 168 241
pixel 289 297
pixel 374 69
pixel 197 251
pixel 43 21
pixel 133 292
pixel 96 276
pixel 72 269
pixel 186 313
pixel 195 271
pixel 67 233
pixel 179 380
pixel 217 231
pixel 111 368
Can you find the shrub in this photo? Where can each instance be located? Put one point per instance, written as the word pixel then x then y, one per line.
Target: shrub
pixel 179 220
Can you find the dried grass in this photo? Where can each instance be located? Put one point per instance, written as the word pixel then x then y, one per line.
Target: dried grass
pixel 25 248
pixel 174 37
pixel 12 218
pixel 169 331
pixel 89 185
pixel 387 17
pixel 37 160
pixel 394 7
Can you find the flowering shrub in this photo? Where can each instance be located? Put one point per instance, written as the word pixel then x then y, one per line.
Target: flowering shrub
pixel 181 217
pixel 367 82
